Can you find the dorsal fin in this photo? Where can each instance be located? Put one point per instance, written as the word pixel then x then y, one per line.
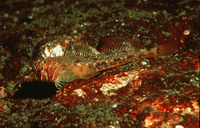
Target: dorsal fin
pixel 67 47
pixel 79 49
pixel 109 44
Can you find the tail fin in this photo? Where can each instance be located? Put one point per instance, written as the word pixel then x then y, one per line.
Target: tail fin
pixel 167 49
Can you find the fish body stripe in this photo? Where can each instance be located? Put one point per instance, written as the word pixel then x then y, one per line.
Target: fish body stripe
pixel 70 68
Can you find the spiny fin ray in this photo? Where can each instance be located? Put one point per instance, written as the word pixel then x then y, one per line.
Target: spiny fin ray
pixel 109 44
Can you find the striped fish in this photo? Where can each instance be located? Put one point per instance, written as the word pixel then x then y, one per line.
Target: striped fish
pixel 63 69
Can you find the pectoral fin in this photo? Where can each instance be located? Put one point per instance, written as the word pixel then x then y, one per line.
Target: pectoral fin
pixel 60 83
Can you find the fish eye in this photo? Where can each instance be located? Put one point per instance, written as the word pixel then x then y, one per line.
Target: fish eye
pixel 38 67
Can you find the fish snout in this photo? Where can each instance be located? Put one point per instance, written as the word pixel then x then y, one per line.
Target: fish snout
pixel 28 75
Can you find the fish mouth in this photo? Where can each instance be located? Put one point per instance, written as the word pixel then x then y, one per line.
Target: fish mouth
pixel 28 75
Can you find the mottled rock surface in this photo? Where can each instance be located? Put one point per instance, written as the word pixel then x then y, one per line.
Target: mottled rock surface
pixel 153 92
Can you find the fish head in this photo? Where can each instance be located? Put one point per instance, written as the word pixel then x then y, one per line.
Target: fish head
pixel 34 72
pixel 46 70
